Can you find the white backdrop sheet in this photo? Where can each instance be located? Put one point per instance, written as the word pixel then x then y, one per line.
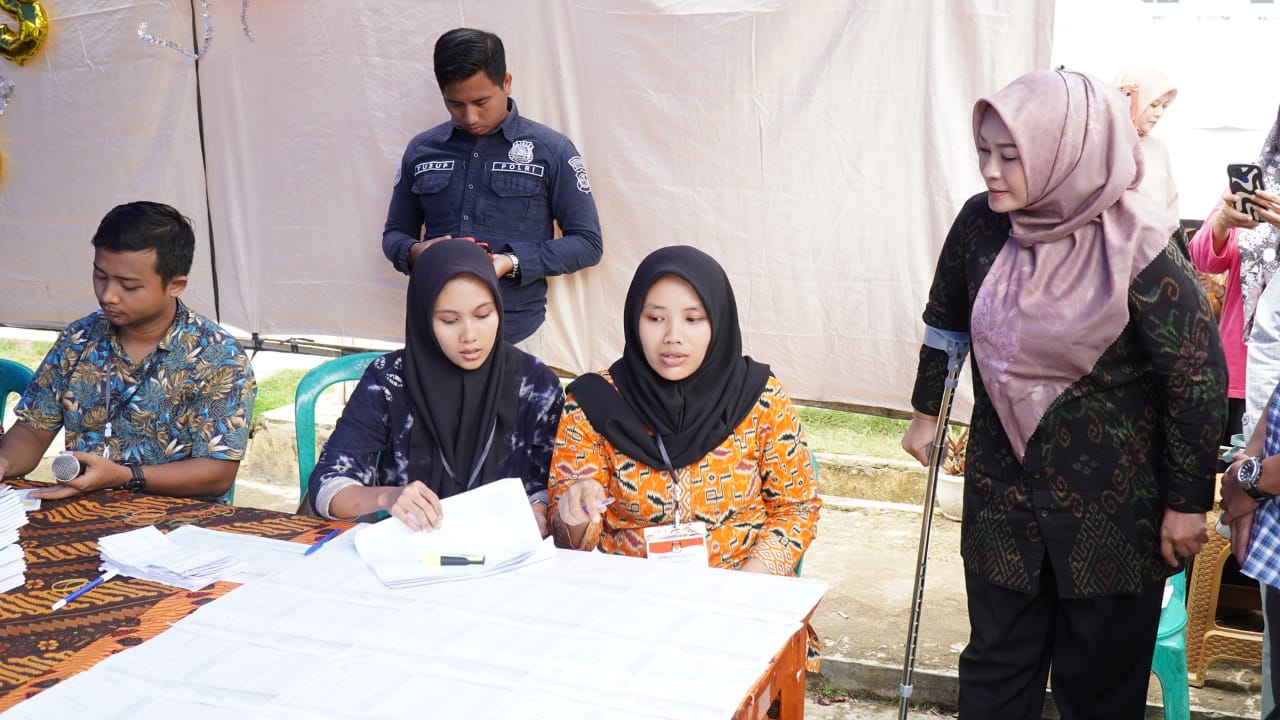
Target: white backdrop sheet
pixel 818 148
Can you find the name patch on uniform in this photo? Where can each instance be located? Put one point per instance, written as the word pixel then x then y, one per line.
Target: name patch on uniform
pixel 527 169
pixel 432 165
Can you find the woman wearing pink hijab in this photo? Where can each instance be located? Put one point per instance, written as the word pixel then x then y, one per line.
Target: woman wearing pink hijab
pixel 1098 398
pixel 1150 93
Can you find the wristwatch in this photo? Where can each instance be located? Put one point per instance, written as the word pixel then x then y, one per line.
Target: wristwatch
pixel 137 483
pixel 515 266
pixel 1249 474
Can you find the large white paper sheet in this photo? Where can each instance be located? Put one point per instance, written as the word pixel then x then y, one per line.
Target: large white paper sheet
pixel 582 635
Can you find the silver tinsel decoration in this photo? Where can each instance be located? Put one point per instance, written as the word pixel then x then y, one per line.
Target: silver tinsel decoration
pixel 204 47
pixel 6 90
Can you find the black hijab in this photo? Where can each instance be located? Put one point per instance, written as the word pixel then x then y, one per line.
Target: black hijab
pixel 692 416
pixel 461 418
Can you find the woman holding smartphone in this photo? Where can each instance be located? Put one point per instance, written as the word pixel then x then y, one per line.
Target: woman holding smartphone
pixel 1234 241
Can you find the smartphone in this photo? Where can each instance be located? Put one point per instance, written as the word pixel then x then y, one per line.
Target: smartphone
pixel 484 245
pixel 1244 179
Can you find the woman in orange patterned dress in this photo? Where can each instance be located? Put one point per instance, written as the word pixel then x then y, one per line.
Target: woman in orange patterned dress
pixel 684 435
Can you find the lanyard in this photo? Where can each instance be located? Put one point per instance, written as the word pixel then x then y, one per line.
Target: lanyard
pixel 128 398
pixel 475 471
pixel 676 492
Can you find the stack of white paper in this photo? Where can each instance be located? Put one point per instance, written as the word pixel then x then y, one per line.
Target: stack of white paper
pixel 493 521
pixel 13 564
pixel 147 554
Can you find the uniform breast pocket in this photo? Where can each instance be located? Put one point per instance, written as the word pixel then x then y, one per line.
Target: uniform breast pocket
pixel 429 187
pixel 430 183
pixel 517 203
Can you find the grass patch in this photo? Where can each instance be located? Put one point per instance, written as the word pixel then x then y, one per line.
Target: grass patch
pixel 277 391
pixel 273 392
pixel 27 352
pixel 848 433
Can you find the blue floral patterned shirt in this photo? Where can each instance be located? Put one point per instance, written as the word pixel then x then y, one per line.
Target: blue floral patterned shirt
pixel 191 398
pixel 370 443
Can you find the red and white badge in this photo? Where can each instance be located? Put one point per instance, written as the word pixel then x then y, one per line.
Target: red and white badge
pixel 685 543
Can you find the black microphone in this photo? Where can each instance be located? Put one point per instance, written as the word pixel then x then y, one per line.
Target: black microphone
pixel 66 468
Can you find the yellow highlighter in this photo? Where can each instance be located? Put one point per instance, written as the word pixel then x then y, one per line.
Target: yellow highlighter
pixel 454 559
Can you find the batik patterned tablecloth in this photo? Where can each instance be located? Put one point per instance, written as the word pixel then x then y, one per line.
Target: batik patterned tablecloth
pixel 39 647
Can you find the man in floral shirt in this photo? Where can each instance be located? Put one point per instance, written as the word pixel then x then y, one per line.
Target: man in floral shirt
pixel 153 396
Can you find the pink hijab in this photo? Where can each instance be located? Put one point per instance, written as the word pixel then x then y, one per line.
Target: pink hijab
pixel 1056 296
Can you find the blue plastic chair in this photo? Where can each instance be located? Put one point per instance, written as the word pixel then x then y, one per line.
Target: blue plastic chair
pixel 14 378
pixel 342 369
pixel 1170 660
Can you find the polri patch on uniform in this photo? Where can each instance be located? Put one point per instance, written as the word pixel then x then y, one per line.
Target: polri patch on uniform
pixel 521 152
pixel 580 172
pixel 527 169
pixel 432 166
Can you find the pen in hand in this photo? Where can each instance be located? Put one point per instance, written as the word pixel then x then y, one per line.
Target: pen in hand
pixel 600 505
pixel 85 588
pixel 332 534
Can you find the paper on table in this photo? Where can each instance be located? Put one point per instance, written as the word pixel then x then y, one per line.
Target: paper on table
pixel 261 556
pixel 498 647
pixel 147 554
pixel 492 520
pixel 13 565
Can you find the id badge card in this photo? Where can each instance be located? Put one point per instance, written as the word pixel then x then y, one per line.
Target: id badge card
pixel 685 544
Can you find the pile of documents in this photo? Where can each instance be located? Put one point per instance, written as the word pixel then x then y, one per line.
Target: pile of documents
pixel 13 564
pixel 487 530
pixel 147 554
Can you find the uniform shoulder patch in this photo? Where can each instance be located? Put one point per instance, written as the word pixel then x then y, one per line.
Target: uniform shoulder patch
pixel 580 172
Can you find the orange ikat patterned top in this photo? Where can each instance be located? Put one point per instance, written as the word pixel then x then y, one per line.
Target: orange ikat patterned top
pixel 756 491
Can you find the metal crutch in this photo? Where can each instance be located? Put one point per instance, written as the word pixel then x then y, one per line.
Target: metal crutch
pixel 956 346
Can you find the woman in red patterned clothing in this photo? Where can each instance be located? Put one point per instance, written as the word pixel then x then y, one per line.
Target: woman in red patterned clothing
pixel 684 448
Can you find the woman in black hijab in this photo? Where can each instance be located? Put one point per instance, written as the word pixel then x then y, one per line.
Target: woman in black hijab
pixel 455 409
pixel 684 403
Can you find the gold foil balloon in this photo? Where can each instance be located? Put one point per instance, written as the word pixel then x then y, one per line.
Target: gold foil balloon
pixel 33 28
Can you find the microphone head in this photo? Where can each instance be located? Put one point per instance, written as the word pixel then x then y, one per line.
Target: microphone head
pixel 66 467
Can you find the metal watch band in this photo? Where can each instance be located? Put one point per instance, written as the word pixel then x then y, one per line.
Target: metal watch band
pixel 515 266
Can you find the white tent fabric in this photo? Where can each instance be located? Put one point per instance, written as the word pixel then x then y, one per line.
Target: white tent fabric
pixel 819 148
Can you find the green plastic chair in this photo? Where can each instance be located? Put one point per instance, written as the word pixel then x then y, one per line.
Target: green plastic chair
pixel 14 378
pixel 1170 660
pixel 342 369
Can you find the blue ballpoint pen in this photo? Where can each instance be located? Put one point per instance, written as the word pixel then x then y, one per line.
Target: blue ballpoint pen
pixel 332 534
pixel 86 588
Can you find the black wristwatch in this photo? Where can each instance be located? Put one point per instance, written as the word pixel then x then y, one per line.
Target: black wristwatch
pixel 1249 474
pixel 137 483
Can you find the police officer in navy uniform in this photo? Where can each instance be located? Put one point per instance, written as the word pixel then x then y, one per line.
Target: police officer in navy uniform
pixel 496 177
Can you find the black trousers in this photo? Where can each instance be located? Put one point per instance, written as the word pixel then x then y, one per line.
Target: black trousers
pixel 1098 649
